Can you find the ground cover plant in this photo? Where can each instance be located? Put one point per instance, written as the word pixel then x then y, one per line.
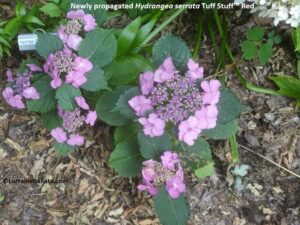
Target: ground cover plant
pixel 166 111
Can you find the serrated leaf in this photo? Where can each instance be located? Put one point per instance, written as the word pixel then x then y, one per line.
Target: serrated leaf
pixel 265 53
pixel 240 170
pixel 171 211
pixel 249 50
pixel 170 45
pixel 153 148
pixel 107 103
pixel 51 10
pixel 288 86
pixel 127 69
pixel 126 159
pixel 124 133
pixel 127 36
pixel 122 105
pixel 221 131
pixel 47 44
pixel 256 33
pixel 229 107
pixel 46 102
pixel 96 80
pixel 99 46
pixel 65 96
pixel 63 149
pixel 51 120
pixel 205 171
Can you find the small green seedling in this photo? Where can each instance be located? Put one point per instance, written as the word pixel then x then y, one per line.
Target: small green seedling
pixel 259 44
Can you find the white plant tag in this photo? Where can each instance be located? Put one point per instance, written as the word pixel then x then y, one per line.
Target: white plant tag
pixel 27 42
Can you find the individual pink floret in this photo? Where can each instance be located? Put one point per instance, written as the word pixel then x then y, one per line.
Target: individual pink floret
pixel 189 130
pixel 146 82
pixel 211 92
pixel 153 126
pixel 91 118
pixel 207 117
pixel 31 93
pixel 175 187
pixel 165 72
pixel 75 139
pixel 13 100
pixel 59 135
pixel 140 104
pixel 195 71
pixel 80 101
pixel 82 65
pixel 147 186
pixel 169 160
pixel 73 41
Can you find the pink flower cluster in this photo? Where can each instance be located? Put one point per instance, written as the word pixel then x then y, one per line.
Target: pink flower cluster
pixel 20 87
pixel 72 121
pixel 168 172
pixel 167 96
pixel 67 64
pixel 78 22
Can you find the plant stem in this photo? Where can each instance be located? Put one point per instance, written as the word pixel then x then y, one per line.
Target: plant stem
pixel 198 37
pixel 234 149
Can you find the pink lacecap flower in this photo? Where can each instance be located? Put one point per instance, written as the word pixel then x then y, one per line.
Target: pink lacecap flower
pixel 80 101
pixel 13 100
pixel 211 92
pixel 91 118
pixel 169 160
pixel 88 20
pixel 76 78
pixel 59 135
pixel 31 93
pixel 146 82
pixel 147 186
pixel 189 130
pixel 140 104
pixel 73 41
pixel 34 68
pixel 153 126
pixel 175 187
pixel 207 117
pixel 165 72
pixel 82 65
pixel 75 139
pixel 195 71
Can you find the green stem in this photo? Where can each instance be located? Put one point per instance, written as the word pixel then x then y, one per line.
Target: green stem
pixel 234 149
pixel 198 37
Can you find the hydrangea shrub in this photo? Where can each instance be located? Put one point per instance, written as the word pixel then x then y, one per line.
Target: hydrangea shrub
pixel 164 123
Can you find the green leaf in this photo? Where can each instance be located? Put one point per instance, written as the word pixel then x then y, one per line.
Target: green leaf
pixel 99 46
pixel 297 39
pixel 127 36
pixel 271 34
pixel 265 53
pixel 65 96
pixel 171 211
pixel 229 107
pixel 126 159
pixel 277 39
pixel 51 10
pixel 20 9
pixel 170 45
pixel 153 148
pixel 125 133
pixel 127 69
pixel 46 102
pixel 51 120
pixel 47 44
pixel 288 86
pixel 205 171
pixel 142 33
pixel 96 80
pixel 107 103
pixel 32 19
pixel 4 41
pixel 63 149
pixel 255 34
pixel 249 50
pixel 221 131
pixel 122 105
pixel 13 27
